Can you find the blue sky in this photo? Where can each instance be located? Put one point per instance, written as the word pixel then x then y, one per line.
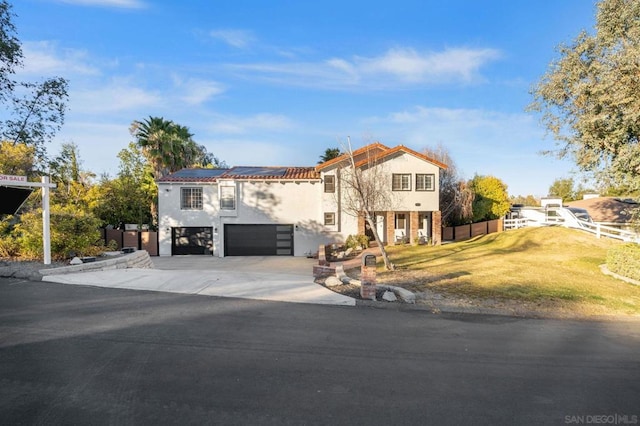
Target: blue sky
pixel 278 82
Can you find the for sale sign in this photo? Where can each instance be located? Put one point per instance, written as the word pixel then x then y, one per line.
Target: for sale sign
pixel 12 178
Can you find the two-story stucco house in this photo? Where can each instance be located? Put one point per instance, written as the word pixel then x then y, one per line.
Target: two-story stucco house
pixel 290 211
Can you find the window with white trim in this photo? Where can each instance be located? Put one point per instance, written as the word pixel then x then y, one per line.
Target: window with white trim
pixel 191 198
pixel 329 219
pixel 401 221
pixel 329 183
pixel 401 182
pixel 227 197
pixel 425 182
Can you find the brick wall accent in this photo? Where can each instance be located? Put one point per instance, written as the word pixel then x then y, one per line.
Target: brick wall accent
pixel 414 225
pixel 391 227
pixel 361 224
pixel 436 227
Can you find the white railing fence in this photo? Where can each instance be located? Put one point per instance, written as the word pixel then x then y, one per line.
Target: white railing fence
pixel 600 230
pixel 597 229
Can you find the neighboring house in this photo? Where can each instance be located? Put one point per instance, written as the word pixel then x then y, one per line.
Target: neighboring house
pixel 292 210
pixel 610 211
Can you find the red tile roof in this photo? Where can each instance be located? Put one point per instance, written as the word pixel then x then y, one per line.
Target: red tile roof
pixel 372 152
pixel 378 152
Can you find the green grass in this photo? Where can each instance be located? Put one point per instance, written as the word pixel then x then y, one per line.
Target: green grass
pixel 547 266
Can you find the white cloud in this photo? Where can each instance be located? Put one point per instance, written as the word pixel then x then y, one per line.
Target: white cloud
pixel 44 58
pixel 119 95
pixel 123 4
pixel 399 67
pixel 196 91
pixel 235 38
pixel 256 123
pixel 408 65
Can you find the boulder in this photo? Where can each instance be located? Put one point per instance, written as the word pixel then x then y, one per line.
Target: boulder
pixel 389 296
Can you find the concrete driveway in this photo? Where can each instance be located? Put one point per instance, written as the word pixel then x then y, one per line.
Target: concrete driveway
pixel 284 279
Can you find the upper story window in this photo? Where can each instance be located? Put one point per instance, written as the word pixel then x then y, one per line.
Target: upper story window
pixel 329 183
pixel 191 198
pixel 401 182
pixel 425 182
pixel 227 197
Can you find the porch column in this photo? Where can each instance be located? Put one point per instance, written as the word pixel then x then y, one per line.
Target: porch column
pixel 361 227
pixel 436 228
pixel 391 227
pixel 414 225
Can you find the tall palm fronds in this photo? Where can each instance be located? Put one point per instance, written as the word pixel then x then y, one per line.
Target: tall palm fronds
pixel 167 146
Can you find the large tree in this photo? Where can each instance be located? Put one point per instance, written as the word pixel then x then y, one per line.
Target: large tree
pixel 129 197
pixel 33 112
pixel 563 188
pixel 491 200
pixel 590 96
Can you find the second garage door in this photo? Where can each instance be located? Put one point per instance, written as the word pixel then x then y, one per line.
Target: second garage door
pixel 258 240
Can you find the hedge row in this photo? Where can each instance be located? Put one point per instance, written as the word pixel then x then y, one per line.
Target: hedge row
pixel 625 260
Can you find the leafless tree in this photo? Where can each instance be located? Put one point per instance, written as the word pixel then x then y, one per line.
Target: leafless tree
pixel 365 190
pixel 456 198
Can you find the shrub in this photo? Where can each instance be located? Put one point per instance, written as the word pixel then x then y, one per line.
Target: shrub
pixel 71 231
pixel 625 260
pixel 356 241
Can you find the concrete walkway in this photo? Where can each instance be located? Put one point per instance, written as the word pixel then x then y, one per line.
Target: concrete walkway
pixel 284 279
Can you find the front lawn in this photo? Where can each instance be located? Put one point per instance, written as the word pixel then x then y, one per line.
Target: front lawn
pixel 544 266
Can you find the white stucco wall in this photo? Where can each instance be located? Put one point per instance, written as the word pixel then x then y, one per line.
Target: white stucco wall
pixel 408 200
pixel 257 202
pixel 286 203
pixel 170 215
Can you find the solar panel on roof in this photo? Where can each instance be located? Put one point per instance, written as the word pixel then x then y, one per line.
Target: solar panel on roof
pixel 198 173
pixel 257 171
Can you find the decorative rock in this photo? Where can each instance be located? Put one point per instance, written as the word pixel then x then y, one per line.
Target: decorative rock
pixel 342 276
pixel 75 261
pixel 332 282
pixel 389 296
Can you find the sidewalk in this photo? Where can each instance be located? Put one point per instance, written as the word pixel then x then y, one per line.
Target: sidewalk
pixel 264 278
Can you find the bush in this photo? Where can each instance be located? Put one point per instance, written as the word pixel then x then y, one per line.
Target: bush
pixel 357 241
pixel 625 260
pixel 71 231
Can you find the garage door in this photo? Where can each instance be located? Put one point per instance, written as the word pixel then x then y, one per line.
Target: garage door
pixel 192 240
pixel 258 240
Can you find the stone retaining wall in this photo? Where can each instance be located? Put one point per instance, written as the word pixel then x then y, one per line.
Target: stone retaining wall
pixel 137 259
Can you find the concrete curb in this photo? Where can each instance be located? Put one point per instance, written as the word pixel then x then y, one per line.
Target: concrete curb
pixel 138 259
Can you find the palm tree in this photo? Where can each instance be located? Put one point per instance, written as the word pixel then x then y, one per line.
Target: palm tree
pixel 329 154
pixel 167 146
pixel 153 136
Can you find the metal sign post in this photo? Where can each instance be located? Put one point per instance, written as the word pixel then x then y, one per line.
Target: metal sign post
pixel 21 181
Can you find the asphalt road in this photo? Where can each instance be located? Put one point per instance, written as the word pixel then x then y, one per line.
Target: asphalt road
pixel 84 355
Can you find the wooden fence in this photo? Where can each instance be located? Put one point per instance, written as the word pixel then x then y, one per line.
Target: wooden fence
pixel 465 232
pixel 141 240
